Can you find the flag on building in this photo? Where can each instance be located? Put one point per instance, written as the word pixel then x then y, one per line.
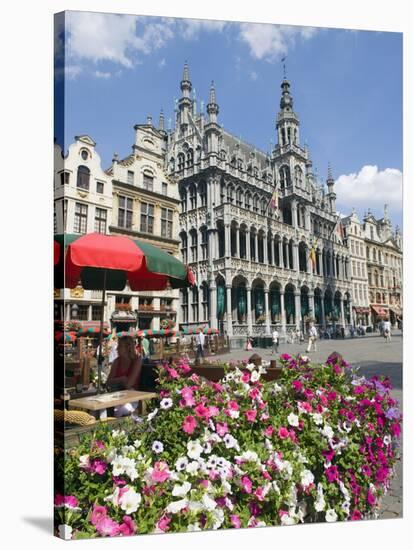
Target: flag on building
pixel 273 202
pixel 313 257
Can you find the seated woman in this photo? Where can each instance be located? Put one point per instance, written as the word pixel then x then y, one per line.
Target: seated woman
pixel 126 369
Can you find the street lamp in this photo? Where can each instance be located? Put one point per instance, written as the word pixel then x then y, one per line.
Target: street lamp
pixel 75 310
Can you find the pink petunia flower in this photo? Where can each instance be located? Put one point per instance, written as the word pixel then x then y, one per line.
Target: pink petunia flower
pixel 221 429
pixel 297 385
pixel 269 431
pixel 356 515
pixel 201 411
pixel 245 377
pixel 251 415
pixel 128 527
pixel 235 521
pixel 332 474
pixel 98 513
pixel 233 406
pixel 107 527
pixel 160 472
pixel 189 424
pixel 163 523
pixel 99 466
pixel 246 484
pixel 213 411
pixel 283 433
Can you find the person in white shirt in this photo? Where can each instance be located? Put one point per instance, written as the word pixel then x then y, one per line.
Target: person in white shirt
pixel 200 341
pixel 275 341
pixel 387 331
pixel 312 338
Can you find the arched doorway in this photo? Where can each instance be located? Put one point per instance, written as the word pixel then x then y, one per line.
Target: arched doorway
pixel 289 303
pixel 318 306
pixel 257 301
pixel 221 303
pixel 239 300
pixel 275 302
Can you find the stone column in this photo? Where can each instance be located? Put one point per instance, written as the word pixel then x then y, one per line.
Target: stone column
pixel 229 310
pixel 272 250
pixel 247 245
pixel 198 244
pixel 256 246
pixel 267 312
pixel 311 304
pixel 296 258
pixel 213 304
pixel 297 297
pixel 227 240
pixel 331 265
pixel 350 306
pixel 323 313
pixel 283 323
pixel 294 213
pixel 309 263
pixel 265 249
pixel 238 241
pixel 320 263
pixel 343 319
pixel 249 316
pixel 280 253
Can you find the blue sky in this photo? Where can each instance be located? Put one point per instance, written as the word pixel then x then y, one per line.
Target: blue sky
pixel 346 85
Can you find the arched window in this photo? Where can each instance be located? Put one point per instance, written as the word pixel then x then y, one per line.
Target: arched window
pixel 183 201
pixel 181 162
pixel 189 158
pixel 255 203
pixel 239 197
pixel 203 193
pixel 284 176
pixel 247 200
pixel 83 177
pixel 230 193
pixel 184 247
pixel 263 206
pixel 195 306
pixel 192 196
pixel 298 176
pixel 222 190
pixel 222 154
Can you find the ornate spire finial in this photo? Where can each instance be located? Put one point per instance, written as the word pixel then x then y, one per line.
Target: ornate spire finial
pixel 386 212
pixel 284 69
pixel 161 121
pixel 186 72
pixel 212 96
pixel 329 172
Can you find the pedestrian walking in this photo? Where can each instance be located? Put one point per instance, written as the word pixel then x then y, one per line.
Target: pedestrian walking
pixel 387 330
pixel 275 340
pixel 312 338
pixel 200 342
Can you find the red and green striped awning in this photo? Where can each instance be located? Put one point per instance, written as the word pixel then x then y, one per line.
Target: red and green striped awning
pixel 100 261
pixel 205 330
pixel 64 337
pixel 92 331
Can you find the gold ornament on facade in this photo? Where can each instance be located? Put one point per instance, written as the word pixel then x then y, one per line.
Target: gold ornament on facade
pixel 77 292
pixel 56 293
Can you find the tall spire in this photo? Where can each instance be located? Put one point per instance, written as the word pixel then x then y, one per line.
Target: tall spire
pixel 212 107
pixel 161 121
pixel 186 85
pixel 287 123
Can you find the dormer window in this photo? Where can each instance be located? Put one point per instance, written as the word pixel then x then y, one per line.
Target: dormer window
pixel 148 181
pixel 83 177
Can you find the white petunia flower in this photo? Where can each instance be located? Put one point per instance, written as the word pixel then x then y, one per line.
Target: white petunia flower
pixel 65 531
pixel 157 447
pixel 292 419
pixel 177 506
pixel 255 376
pixel 387 440
pixel 286 519
pixel 137 443
pixel 218 516
pixel 331 515
pixel 181 490
pixel 193 527
pixel 166 403
pixel 318 419
pixel 307 478
pixel 84 461
pixel 208 502
pixel 250 366
pixel 129 501
pixel 195 506
pixel 327 431
pixel 181 463
pixel 207 447
pixel 194 449
pixel 192 467
pixel 230 441
pixel 276 388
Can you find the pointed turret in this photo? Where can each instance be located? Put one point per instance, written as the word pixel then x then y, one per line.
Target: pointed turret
pixel 185 103
pixel 287 121
pixel 212 107
pixel 330 186
pixel 161 121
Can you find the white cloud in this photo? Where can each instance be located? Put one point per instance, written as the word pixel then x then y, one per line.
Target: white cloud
pixel 271 42
pixel 102 74
pixel 190 28
pixel 72 71
pixel 371 188
pixel 110 37
pixel 253 75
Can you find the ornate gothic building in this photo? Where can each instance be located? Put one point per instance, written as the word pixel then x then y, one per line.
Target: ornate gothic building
pixel 248 245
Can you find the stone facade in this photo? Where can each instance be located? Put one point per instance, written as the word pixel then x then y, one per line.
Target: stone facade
pixel 384 257
pixel 248 245
pixel 82 204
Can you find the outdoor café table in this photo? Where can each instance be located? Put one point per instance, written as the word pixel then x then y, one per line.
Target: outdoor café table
pixel 99 404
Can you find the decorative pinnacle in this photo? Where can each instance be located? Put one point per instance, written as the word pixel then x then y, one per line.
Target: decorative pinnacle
pixel 161 120
pixel 212 96
pixel 186 72
pixel 329 172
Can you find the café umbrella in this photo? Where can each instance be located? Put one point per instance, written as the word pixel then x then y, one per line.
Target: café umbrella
pixel 109 262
